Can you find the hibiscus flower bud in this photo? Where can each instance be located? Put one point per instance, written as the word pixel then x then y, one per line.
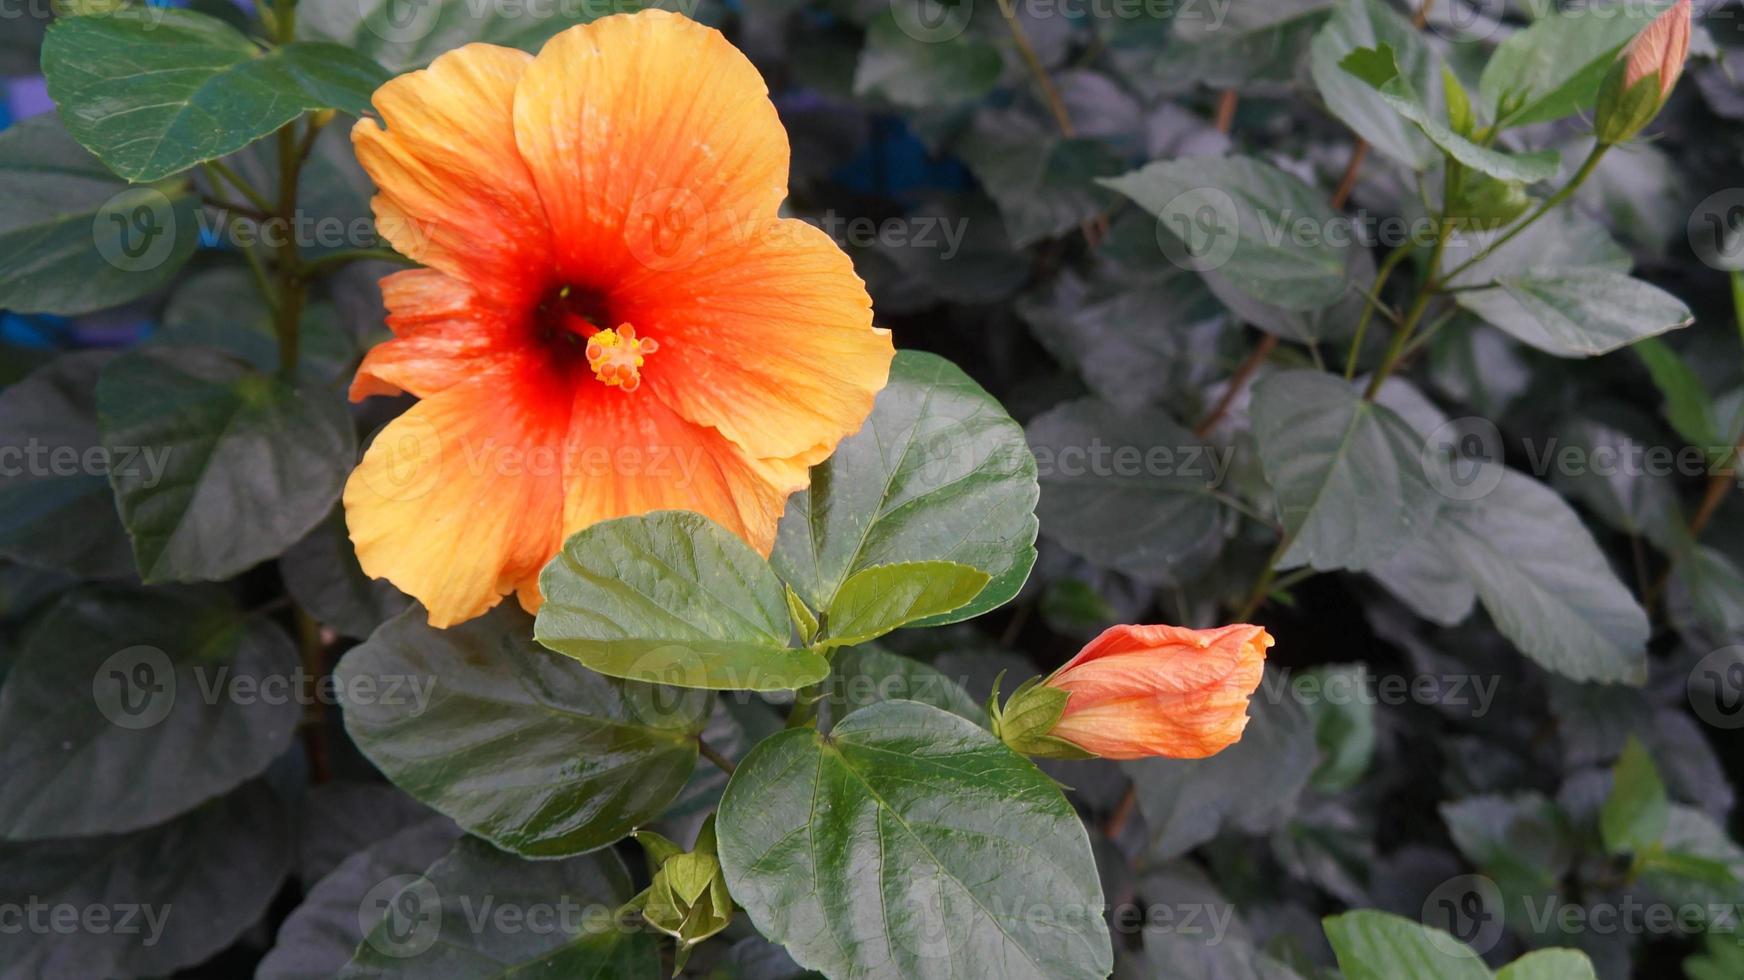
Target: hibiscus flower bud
pixel 1138 691
pixel 1643 75
pixel 687 898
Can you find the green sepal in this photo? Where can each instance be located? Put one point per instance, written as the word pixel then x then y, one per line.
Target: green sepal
pixel 660 849
pixel 1621 113
pixel 804 622
pixel 688 898
pixel 1025 721
pixel 1486 203
pixel 1460 117
pixel 1050 747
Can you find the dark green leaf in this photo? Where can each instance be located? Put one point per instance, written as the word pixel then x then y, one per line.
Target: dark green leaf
pixel 876 600
pixel 1577 312
pixel 672 597
pixel 909 71
pixel 154 90
pixel 1688 407
pixel 1344 724
pixel 194 884
pixel 909 842
pixel 322 574
pixel 1369 24
pixel 56 508
pixel 865 675
pixel 128 708
pixel 401 36
pixel 253 463
pixel 1132 491
pixel 550 918
pixel 1349 474
pixel 223 308
pixel 1045 185
pixel 938 472
pixel 1250 47
pixel 1374 945
pixel 73 238
pixel 1633 818
pixel 521 747
pixel 1553 67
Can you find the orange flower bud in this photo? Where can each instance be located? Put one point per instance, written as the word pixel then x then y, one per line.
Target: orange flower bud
pixel 1662 48
pixel 1138 691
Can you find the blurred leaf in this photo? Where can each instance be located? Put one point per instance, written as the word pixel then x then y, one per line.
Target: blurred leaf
pixel 1344 724
pixel 154 90
pixel 1697 865
pixel 195 884
pixel 1251 47
pixel 562 924
pixel 253 464
pixel 1045 185
pixel 1238 216
pixel 1553 67
pixel 75 238
pixel 1420 576
pixel 400 36
pixel 1549 964
pixel 340 818
pixel 223 308
pixel 1369 24
pixel 128 708
pixel 876 600
pixel 1634 815
pixel 322 574
pixel 1688 407
pixel 1544 580
pixel 1131 491
pixel 56 508
pixel 1349 474
pixel 1604 458
pixel 524 748
pixel 915 73
pixel 1172 955
pixel 964 831
pixel 939 471
pixel 1373 945
pixel 1577 312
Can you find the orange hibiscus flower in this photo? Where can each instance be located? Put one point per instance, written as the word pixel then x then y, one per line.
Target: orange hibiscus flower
pixel 614 318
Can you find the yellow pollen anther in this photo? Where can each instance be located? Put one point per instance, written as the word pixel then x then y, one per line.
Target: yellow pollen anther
pixel 616 356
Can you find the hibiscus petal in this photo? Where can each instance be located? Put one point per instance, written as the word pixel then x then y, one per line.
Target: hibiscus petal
pixel 455 195
pixel 444 333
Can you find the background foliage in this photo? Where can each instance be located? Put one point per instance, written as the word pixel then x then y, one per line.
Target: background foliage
pixel 1504 562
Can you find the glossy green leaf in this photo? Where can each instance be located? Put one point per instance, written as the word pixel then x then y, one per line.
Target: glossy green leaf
pixel 152 90
pixel 56 508
pixel 1349 474
pixel 253 464
pixel 1577 312
pixel 522 747
pixel 1132 491
pixel 1553 67
pixel 193 885
pixel 73 237
pixel 907 843
pixel 1374 945
pixel 550 918
pixel 939 472
pixel 868 674
pixel 1368 24
pixel 1379 68
pixel 1544 580
pixel 673 598
pixel 917 73
pixel 876 600
pixel 1633 818
pixel 1241 217
pixel 127 708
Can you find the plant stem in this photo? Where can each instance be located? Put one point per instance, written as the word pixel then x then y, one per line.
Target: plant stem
pixel 1237 382
pixel 287 319
pixel 714 755
pixel 1385 272
pixel 1738 300
pixel 1586 170
pixel 1094 229
pixel 1412 316
pixel 325 263
pixel 314 662
pixel 221 174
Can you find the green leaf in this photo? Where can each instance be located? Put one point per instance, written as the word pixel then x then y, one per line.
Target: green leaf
pixel 1172 954
pixel 672 597
pixel 253 464
pixel 56 508
pixel 939 472
pixel 1549 964
pixel 1240 217
pixel 318 938
pixel 322 574
pixel 1688 407
pixel 909 842
pixel 1045 185
pixel 1420 576
pixel 1344 724
pixel 202 879
pixel 528 750
pixel 1380 69
pixel 1544 580
pixel 127 708
pixel 1553 67
pixel 73 238
pixel 1577 312
pixel 915 73
pixel 1249 47
pixel 1252 787
pixel 1698 865
pixel 876 600
pixel 1132 491
pixel 865 675
pixel 551 918
pixel 1634 815
pixel 1349 474
pixel 222 308
pixel 1368 24
pixel 1374 945
pixel 153 91
pixel 401 36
